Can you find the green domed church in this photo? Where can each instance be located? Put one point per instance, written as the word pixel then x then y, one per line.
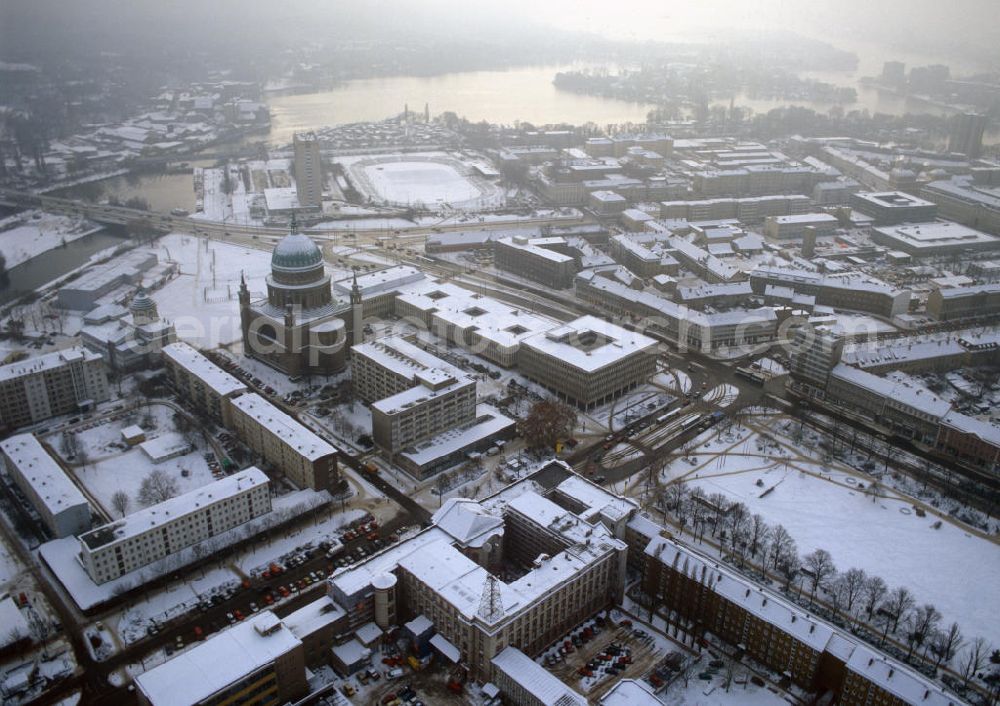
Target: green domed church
pixel 300 328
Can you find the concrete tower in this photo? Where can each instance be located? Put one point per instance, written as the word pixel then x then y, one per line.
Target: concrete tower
pixel 308 170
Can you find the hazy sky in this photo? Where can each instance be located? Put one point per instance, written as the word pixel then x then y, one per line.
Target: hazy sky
pixel 966 33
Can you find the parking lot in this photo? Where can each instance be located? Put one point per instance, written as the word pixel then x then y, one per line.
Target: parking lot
pixel 599 652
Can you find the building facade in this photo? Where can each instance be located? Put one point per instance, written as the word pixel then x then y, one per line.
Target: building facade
pixel 308 170
pixel 53 494
pixel 139 539
pixel 537 259
pixel 57 383
pixel 589 361
pixel 304 458
pixel 200 381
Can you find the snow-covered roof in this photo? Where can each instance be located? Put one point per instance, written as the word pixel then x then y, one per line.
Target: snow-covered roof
pixel 291 432
pixel 544 686
pixel 419 625
pixel 170 510
pixel 49 361
pixel 986 431
pixel 535 247
pixel 354 580
pixel 368 633
pixel 589 343
pixel 386 280
pixel 488 424
pixel 442 645
pixel 396 354
pixel 217 379
pixel 166 445
pixel 351 652
pixel 630 692
pixel 46 477
pixel 898 680
pixel 198 673
pixel 913 395
pixel 797 623
pixel 467 521
pixel 15 626
pixel 936 234
pixel 313 616
pixel 597 500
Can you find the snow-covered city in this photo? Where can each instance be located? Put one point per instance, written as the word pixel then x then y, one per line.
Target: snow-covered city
pixel 541 364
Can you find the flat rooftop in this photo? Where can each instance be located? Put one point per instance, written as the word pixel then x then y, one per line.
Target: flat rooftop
pixel 203 670
pixel 49 361
pixel 589 343
pixel 937 234
pixel 283 426
pixel 893 199
pixel 191 360
pixel 46 477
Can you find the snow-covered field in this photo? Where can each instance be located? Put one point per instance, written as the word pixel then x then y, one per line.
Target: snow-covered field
pixel 32 233
pixel 111 467
pixel 429 178
pixel 823 505
pixel 713 693
pixel 203 301
pixel 424 182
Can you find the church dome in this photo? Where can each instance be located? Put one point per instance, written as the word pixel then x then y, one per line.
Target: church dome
pixel 296 252
pixel 142 301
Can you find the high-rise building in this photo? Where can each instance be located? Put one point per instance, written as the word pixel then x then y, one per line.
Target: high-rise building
pixel 308 170
pixel 967 134
pixel 816 352
pixel 894 73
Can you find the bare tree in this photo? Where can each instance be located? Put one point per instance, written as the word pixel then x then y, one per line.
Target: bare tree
pixel 820 566
pixel 120 502
pixel 897 605
pixel 919 626
pixel 945 643
pixel 974 660
pixel 759 533
pixel 157 487
pixel 875 591
pixel 738 518
pixel 782 545
pixel 548 422
pixel 854 585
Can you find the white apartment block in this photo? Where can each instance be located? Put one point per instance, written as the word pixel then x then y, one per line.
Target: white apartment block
pixel 53 494
pixel 415 395
pixel 152 533
pixel 197 379
pixel 304 458
pixel 57 383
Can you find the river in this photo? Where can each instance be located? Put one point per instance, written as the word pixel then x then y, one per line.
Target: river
pixel 39 271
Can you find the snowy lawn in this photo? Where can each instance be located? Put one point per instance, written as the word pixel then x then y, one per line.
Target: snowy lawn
pixel 112 467
pixel 713 693
pixel 10 566
pixel 945 566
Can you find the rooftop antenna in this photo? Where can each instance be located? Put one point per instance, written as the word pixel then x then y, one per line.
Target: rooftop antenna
pixel 491 604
